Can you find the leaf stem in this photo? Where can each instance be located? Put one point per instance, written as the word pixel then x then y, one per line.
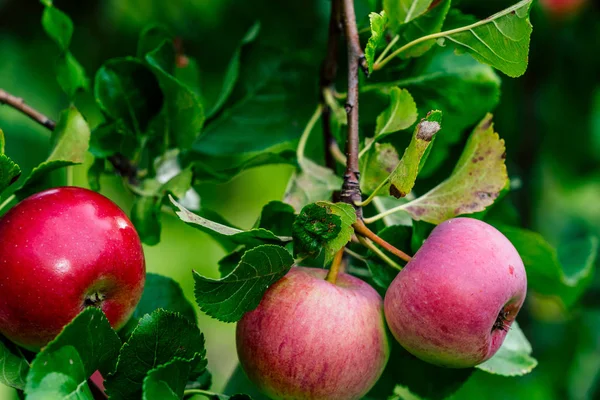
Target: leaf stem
pixel 380 64
pixel 387 49
pixel 361 229
pixel 384 214
pixel 369 199
pixel 306 133
pixel 369 244
pixel 6 202
pixel 334 270
pixel 201 392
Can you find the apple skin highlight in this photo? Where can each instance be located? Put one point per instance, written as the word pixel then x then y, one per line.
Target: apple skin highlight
pixel 444 306
pixel 311 339
pixel 62 250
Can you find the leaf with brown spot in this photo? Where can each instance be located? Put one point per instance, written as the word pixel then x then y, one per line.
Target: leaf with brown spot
pixel 472 186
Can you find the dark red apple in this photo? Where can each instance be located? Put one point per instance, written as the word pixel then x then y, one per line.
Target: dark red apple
pixel 311 339
pixel 562 8
pixel 62 250
pixel 454 302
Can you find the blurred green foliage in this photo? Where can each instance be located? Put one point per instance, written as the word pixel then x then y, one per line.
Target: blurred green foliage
pixel 550 119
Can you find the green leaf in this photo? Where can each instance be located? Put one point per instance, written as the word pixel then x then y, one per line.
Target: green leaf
pixel 479 176
pixel 184 110
pixel 158 339
pixel 514 356
pixel 278 218
pixel 564 272
pixel 403 11
pixel 70 75
pixel 378 24
pixel 401 113
pixel 227 299
pixel 58 26
pixel 323 226
pixel 252 237
pixel 13 365
pixel 167 381
pixel 501 40
pixel 70 141
pixel 585 366
pixel 91 335
pixel 311 183
pixel 159 292
pixel 127 91
pixel 228 263
pixel 426 24
pixel 152 37
pixel 58 374
pixel 402 179
pixel 233 70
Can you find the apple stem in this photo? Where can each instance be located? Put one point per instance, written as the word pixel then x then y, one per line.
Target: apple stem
pixel 205 393
pixel 361 229
pixel 335 268
pixel 122 165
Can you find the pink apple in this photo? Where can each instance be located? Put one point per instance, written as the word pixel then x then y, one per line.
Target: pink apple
pixel 62 250
pixel 454 302
pixel 311 339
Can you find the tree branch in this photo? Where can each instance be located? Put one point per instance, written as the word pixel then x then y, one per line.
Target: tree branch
pixel 351 188
pixel 328 74
pixel 121 164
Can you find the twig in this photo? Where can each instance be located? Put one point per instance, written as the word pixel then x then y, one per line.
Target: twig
pixel 19 104
pixel 351 188
pixel 121 164
pixel 361 229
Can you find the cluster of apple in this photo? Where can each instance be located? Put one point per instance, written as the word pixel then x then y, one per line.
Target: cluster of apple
pixel 68 248
pixel 451 305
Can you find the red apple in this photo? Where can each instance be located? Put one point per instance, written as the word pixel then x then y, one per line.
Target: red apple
pixel 311 339
pixel 454 302
pixel 62 250
pixel 562 8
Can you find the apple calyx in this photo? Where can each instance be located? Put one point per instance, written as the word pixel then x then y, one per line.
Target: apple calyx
pixel 94 300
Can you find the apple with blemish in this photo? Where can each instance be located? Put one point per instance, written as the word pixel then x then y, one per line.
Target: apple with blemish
pixel 312 339
pixel 454 302
pixel 62 250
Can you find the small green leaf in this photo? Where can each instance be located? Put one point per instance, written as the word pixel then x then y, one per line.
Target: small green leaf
pixel 311 183
pixel 501 40
pixel 378 24
pixel 184 110
pixel 514 356
pixel 126 90
pixel 479 176
pixel 401 113
pixel 158 339
pixel 377 165
pixel 167 381
pixel 9 171
pixel 323 226
pixel 402 179
pixel 159 292
pixel 227 299
pixel 70 141
pixel 404 174
pixel 151 38
pixel 564 272
pixel 70 75
pixel 145 216
pixel 252 237
pixel 228 263
pixel 403 11
pixel 278 218
pixel 58 26
pixel 13 365
pixel 428 23
pixel 58 374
